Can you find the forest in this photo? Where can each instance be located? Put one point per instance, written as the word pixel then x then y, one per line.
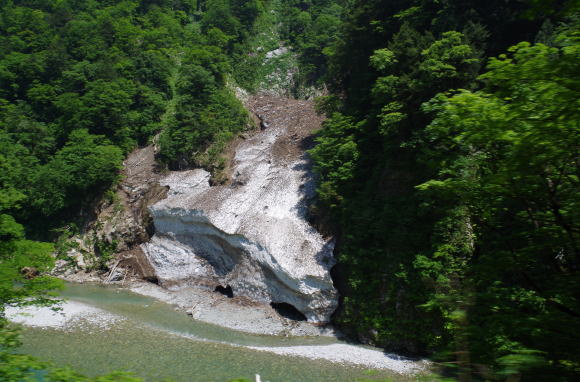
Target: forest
pixel 448 164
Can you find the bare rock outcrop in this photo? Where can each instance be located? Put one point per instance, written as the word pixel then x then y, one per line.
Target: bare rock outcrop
pixel 120 224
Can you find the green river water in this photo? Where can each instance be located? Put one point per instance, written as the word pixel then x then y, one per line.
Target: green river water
pixel 155 342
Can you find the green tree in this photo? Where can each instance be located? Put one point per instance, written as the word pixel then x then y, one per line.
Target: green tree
pixel 85 166
pixel 507 160
pixel 18 259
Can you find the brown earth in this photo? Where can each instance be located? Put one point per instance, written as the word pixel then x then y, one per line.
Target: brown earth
pixel 298 116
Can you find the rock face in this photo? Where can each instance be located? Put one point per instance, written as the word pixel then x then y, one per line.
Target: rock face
pixel 122 223
pixel 251 234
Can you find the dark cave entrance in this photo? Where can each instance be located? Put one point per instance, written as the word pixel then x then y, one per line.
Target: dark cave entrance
pixel 288 311
pixel 227 291
pixel 152 279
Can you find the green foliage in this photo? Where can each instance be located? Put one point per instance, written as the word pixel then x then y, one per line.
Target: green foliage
pixel 23 281
pixel 84 166
pixel 19 258
pixel 311 27
pixel 506 156
pixel 457 209
pixel 252 70
pixel 327 105
pixel 449 58
pixel 335 157
pixel 201 131
pixel 232 20
pixel 457 219
pixel 207 115
pixel 382 59
pixel 81 84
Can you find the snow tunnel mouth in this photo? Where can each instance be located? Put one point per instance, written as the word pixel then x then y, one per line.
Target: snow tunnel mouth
pixel 288 311
pixel 226 291
pixel 152 279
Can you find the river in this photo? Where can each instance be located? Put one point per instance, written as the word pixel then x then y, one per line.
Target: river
pixel 150 338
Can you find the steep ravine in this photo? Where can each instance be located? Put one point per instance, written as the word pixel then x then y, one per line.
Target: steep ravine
pixel 250 237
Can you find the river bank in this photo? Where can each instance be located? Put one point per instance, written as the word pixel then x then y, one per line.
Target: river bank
pixel 106 310
pixel 236 313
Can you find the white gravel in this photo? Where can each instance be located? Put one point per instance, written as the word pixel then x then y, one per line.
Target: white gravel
pixel 351 354
pixel 71 315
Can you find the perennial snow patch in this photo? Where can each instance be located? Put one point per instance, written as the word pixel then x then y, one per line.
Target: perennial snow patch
pixel 252 234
